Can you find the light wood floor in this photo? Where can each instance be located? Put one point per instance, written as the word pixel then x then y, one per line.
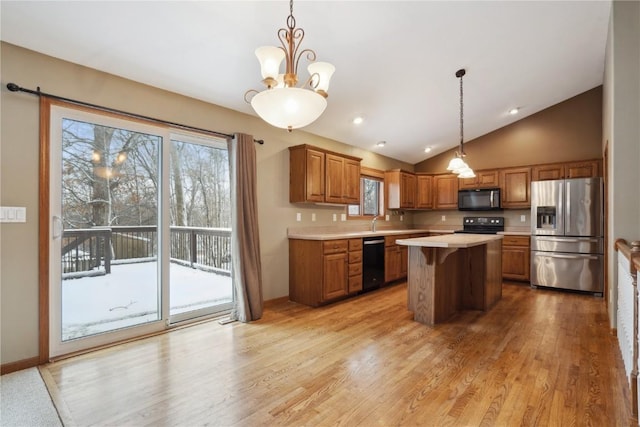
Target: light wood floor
pixel 538 357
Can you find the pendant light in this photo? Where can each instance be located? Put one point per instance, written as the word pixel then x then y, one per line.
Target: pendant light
pixel 282 104
pixel 457 165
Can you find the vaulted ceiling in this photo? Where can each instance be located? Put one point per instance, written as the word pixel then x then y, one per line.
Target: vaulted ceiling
pixel 395 60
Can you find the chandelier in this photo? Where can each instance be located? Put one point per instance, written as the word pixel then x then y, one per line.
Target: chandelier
pixel 457 165
pixel 282 104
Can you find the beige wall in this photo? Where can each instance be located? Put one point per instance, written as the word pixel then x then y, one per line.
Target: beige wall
pixel 621 132
pixel 570 130
pixel 19 176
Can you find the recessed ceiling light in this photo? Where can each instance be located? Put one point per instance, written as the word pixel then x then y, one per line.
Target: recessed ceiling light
pixel 381 143
pixel 427 150
pixel 358 120
pixel 514 111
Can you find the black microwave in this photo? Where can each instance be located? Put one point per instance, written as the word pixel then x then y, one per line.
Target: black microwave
pixel 479 199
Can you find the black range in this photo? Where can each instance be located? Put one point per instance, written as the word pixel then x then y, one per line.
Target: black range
pixel 482 225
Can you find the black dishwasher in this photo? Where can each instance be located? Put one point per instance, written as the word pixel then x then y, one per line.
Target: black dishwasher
pixel 372 263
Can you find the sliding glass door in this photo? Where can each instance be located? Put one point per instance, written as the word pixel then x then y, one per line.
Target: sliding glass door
pixel 200 229
pixel 140 234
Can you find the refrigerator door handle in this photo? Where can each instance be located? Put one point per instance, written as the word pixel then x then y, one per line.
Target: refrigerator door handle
pixel 567 256
pixel 568 202
pixel 567 239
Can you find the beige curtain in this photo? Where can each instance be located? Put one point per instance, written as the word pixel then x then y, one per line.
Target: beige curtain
pixel 245 241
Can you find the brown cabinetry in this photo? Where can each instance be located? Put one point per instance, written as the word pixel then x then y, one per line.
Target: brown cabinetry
pixel 342 180
pixel 396 259
pixel 583 169
pixel 445 191
pixel 355 265
pixel 515 185
pixel 516 257
pixel 424 191
pixel 400 187
pixel 320 176
pixel 483 179
pixel 322 271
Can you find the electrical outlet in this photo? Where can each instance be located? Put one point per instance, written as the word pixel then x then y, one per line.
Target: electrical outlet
pixel 298 217
pixel 343 217
pixel 444 218
pixel 386 217
pixel 523 218
pixel 313 216
pixel 401 217
pixel 335 217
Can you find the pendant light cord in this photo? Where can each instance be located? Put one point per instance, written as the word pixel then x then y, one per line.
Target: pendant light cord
pixel 460 74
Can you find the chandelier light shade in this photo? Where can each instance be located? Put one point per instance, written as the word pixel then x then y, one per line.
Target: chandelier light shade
pixel 457 165
pixel 283 104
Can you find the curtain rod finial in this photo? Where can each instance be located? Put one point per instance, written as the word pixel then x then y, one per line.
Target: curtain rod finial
pixel 13 87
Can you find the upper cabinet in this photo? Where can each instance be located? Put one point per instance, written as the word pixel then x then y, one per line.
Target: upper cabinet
pixel 424 191
pixel 483 179
pixel 515 187
pixel 445 191
pixel 320 176
pixel 342 180
pixel 583 169
pixel 400 189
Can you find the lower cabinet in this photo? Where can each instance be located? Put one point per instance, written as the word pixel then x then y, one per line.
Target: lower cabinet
pixel 515 257
pixel 396 257
pixel 322 271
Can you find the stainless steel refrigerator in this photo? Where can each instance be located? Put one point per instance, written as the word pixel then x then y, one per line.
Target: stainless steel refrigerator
pixel 567 234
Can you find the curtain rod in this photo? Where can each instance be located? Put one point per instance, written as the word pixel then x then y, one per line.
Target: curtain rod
pixel 15 88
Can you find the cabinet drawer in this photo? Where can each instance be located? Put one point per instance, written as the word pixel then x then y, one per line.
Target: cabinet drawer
pixel 355 284
pixel 334 246
pixel 355 244
pixel 515 240
pixel 355 269
pixel 355 257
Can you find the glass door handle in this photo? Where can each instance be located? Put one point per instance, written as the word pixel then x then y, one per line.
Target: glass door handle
pixel 56 226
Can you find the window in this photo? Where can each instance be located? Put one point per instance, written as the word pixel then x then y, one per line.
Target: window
pixel 371 195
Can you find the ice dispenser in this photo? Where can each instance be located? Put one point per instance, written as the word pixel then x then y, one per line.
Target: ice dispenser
pixel 546 217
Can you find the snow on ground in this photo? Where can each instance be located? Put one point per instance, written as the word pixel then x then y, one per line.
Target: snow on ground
pixel 130 296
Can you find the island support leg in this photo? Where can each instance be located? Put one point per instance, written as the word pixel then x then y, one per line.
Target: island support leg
pixel 433 283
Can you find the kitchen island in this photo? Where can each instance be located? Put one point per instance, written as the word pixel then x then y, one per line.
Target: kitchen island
pixel 453 272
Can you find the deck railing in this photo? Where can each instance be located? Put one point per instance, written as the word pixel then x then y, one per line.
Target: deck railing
pixel 92 251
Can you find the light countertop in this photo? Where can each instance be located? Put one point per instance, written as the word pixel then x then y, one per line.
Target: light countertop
pixel 353 234
pixel 451 240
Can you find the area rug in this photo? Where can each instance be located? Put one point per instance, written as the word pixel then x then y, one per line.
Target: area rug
pixel 25 401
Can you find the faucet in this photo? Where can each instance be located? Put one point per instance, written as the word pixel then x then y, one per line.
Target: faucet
pixel 373 223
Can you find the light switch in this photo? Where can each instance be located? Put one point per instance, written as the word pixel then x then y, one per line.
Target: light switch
pixel 343 217
pixel 13 214
pixel 298 216
pixel 523 218
pixel 313 216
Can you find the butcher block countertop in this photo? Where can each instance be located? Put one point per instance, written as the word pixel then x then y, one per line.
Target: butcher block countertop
pixel 451 240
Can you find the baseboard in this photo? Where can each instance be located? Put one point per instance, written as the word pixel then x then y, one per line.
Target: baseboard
pixel 276 301
pixel 19 365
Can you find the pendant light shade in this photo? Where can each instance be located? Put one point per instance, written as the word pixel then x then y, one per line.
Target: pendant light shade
pixel 288 108
pixel 456 164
